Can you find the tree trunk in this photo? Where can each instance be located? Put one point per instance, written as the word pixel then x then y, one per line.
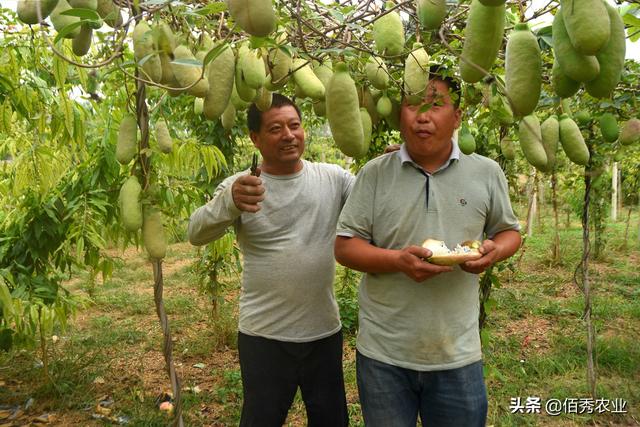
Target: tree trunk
pixel 586 289
pixel 540 204
pixel 531 211
pixel 614 192
pixel 555 246
pixel 626 230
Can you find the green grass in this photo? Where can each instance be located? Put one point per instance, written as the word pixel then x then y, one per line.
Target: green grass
pixel 535 344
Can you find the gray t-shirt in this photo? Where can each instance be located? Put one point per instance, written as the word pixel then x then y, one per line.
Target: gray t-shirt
pixel 289 267
pixel 432 325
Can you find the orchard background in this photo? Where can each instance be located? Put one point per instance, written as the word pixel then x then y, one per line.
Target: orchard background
pixel 96 330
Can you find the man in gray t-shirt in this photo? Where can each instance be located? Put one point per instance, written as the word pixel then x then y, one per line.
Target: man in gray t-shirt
pixel 418 345
pixel 285 221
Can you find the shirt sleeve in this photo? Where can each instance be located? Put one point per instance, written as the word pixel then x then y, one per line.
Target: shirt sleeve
pixel 348 180
pixel 210 222
pixel 356 218
pixel 501 216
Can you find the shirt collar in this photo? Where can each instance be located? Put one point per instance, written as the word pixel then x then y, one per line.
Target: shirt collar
pixel 454 156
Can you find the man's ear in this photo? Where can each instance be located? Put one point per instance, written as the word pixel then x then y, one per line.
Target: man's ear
pixel 254 138
pixel 458 118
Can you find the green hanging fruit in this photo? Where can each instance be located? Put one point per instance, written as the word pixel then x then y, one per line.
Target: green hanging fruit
pixel 431 13
pixel 144 48
pixel 130 203
pixel 127 145
pixel 376 72
pixel 228 118
pixel 388 33
pixel 550 131
pixel 563 86
pixel 609 127
pixel 507 148
pixel 82 42
pixel 523 68
pixel 575 65
pixel 630 132
pixel 264 99
pixel 587 24
pixel 416 74
pixel 27 10
pixel 467 143
pixel 530 135
pixel 252 68
pixel 583 117
pixel 188 74
pixel 384 106
pixel 221 72
pixel 165 143
pixel 59 20
pixel 572 141
pixel 610 58
pixel 310 85
pixel 110 13
pixel 153 234
pixel 343 112
pixel 256 17
pixel 482 40
pixel 367 129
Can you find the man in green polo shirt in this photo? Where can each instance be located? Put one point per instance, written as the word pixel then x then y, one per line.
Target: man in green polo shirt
pixel 418 347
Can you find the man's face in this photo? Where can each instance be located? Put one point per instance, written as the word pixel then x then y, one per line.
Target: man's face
pixel 280 138
pixel 427 128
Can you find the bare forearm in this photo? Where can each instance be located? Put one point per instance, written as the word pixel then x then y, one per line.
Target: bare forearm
pixel 360 255
pixel 507 242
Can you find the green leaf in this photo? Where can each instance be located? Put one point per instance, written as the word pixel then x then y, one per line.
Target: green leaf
pixel 60 68
pixel 85 14
pixel 189 62
pixel 212 9
pixel 214 53
pixel 66 30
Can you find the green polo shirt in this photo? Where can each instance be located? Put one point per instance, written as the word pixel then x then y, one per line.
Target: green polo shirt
pixel 432 325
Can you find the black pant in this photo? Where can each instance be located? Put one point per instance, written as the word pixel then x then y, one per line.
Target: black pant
pixel 273 370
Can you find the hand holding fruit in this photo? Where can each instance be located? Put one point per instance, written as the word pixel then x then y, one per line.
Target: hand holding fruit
pixel 248 192
pixel 411 261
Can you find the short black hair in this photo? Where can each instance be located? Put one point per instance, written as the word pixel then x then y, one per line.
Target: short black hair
pixel 254 115
pixel 439 72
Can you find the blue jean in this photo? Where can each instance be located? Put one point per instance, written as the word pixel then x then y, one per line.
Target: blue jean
pixel 392 396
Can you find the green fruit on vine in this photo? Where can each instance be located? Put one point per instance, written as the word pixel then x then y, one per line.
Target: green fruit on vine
pixel 507 148
pixel 127 145
pixel 320 108
pixel 256 17
pixel 587 24
pixel 144 48
pixel 530 135
pixel 482 40
pixel 343 112
pixel 221 73
pixel 264 99
pixel 563 85
pixel 630 132
pixel 82 42
pixel 228 118
pixel 165 143
pixel 252 68
pixel 310 85
pixel 610 58
pixel 388 33
pixel 416 74
pixel 368 101
pixel 467 143
pixel 572 141
pixel 198 106
pixel 377 73
pixel 609 127
pixel 550 131
pixel 501 110
pixel 324 72
pixel 164 38
pixel 523 68
pixel 367 129
pixel 239 104
pixel 27 10
pixel 583 117
pixel 59 20
pixel 575 65
pixel 130 204
pixel 187 72
pixel 84 4
pixel 431 13
pixel 280 67
pixel 153 234
pixel 384 106
pixel 110 13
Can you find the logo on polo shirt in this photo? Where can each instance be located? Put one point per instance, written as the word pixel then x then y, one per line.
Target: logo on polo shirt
pixel 463 202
